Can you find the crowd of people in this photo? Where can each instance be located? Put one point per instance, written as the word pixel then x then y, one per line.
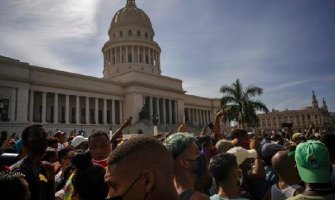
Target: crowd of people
pixel 176 165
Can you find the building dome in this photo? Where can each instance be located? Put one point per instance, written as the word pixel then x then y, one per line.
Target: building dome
pixel 130 15
pixel 131 45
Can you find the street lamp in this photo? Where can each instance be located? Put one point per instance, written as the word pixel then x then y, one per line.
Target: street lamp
pixel 155 122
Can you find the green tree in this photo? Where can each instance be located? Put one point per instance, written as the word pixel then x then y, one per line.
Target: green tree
pixel 240 104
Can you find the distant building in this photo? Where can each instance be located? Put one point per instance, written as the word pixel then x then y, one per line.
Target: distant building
pixel 300 119
pixel 132 85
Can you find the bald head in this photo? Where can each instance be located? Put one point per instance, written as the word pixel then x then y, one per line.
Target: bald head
pixel 282 162
pixel 142 153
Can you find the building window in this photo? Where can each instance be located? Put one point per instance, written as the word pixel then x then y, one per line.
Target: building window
pixel 4 110
pixel 100 116
pixel 130 58
pixel 92 121
pixel 73 115
pixel 121 33
pixel 138 33
pixel 146 35
pixel 83 116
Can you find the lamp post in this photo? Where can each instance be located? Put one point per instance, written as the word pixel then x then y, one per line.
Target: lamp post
pixel 155 122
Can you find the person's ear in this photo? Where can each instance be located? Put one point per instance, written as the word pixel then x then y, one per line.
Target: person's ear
pixel 184 163
pixel 149 180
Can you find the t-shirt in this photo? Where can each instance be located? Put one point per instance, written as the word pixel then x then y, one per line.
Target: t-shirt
pixel 305 197
pixel 217 197
pixel 39 187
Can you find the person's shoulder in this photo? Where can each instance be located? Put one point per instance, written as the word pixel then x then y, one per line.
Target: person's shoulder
pixel 303 197
pixel 216 197
pixel 199 196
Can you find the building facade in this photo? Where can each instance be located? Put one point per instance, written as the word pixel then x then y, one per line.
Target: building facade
pixel 132 84
pixel 300 119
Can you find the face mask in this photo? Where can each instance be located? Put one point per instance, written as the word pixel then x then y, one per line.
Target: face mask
pixel 39 146
pixel 201 166
pixel 240 179
pixel 131 185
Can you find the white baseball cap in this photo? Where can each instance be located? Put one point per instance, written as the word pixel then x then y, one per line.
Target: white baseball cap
pixel 76 141
pixel 242 154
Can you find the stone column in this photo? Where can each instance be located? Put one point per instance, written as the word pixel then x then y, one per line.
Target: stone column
pixel 120 54
pixel 151 107
pixel 127 61
pixel 164 111
pixel 67 108
pixel 132 54
pixel 105 112
pixel 87 110
pixel 121 111
pixel 13 105
pixel 56 108
pixel 96 111
pixel 44 105
pixel 157 109
pixel 149 52
pixel 77 109
pixel 170 111
pixel 113 112
pixel 175 112
pixel 138 53
pixel 31 106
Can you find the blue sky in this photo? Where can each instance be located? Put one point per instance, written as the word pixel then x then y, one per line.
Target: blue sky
pixel 286 47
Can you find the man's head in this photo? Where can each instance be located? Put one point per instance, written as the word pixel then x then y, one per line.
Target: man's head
pixel 329 140
pixel 242 136
pixel 79 143
pixel 140 168
pixel 61 136
pixel 313 162
pixel 268 150
pixel 224 169
pixel 99 145
pixel 284 164
pixel 64 156
pixel 186 154
pixel 13 186
pixel 35 139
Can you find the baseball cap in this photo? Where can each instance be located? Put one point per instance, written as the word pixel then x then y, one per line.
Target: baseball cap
pixel 313 162
pixel 242 154
pixel 76 141
pixel 270 149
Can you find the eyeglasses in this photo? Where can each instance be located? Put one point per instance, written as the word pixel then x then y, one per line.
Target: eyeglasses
pixel 120 197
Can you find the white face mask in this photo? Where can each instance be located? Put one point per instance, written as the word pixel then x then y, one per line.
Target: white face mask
pixel 240 179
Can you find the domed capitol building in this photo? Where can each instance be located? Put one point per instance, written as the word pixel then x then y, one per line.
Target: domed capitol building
pixel 132 85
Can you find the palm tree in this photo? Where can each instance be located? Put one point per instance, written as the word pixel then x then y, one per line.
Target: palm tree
pixel 240 104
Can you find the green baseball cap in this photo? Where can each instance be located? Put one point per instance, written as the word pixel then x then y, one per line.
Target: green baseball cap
pixel 313 163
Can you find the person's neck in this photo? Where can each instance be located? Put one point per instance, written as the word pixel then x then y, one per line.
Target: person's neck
pixel 317 189
pixel 184 181
pixel 228 191
pixel 35 158
pixel 285 182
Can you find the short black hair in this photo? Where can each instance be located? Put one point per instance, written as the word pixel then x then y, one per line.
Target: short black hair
pixel 134 145
pixel 12 186
pixel 329 140
pixel 238 133
pixel 97 133
pixel 88 180
pixel 63 153
pixel 221 165
pixel 26 132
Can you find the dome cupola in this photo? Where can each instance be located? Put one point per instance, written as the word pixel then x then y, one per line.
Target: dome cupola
pixel 131 44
